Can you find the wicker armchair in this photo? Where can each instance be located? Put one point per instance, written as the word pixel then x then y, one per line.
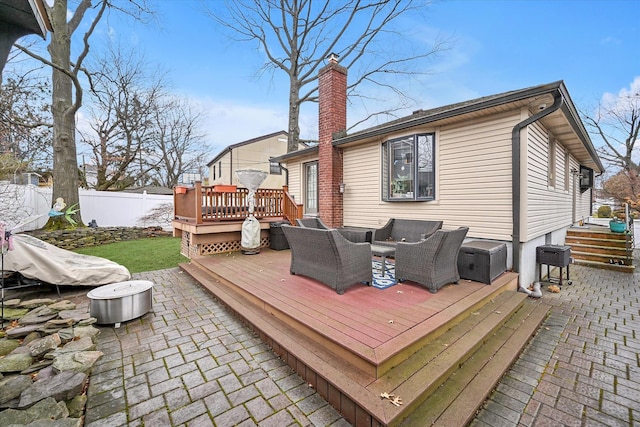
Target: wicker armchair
pixel 326 256
pixel 312 223
pixel 404 230
pixel 432 262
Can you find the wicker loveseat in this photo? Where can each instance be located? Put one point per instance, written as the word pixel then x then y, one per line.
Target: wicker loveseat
pixel 432 262
pixel 326 256
pixel 404 230
pixel 312 223
pixel 353 234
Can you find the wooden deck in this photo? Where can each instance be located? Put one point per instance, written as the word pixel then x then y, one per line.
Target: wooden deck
pixel 354 346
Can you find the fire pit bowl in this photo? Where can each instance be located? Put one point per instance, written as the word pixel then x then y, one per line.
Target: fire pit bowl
pixel 120 302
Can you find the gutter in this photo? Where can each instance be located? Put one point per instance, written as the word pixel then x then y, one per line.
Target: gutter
pixel 558 101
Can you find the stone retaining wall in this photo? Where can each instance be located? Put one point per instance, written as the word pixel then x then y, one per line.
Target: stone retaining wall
pixel 84 237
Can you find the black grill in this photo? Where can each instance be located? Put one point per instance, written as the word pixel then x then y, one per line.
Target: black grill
pixel 556 255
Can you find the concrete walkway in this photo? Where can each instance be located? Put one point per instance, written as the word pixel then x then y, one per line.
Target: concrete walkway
pixel 190 363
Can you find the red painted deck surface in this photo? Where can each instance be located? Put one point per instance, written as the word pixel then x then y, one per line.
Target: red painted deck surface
pixel 372 324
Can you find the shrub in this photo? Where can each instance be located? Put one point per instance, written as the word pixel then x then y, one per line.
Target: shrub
pixel 604 211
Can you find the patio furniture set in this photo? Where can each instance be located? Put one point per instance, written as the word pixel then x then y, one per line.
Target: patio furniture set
pixel 339 258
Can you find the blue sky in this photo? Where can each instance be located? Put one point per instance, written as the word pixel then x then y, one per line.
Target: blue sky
pixel 495 46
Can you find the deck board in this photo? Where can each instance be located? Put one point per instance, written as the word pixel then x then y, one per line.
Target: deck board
pixel 353 346
pixel 383 321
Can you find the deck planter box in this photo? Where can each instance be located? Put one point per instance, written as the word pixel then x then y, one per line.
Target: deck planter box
pixel 181 190
pixel 225 188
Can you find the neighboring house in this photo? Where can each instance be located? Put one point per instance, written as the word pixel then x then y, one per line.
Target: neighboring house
pixel 251 154
pixel 515 167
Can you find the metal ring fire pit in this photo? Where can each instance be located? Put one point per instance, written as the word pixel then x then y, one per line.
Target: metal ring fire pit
pixel 120 302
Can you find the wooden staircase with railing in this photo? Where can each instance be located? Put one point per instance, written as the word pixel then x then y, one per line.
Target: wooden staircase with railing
pixel 596 246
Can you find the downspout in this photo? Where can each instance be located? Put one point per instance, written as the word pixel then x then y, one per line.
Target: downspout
pixel 558 100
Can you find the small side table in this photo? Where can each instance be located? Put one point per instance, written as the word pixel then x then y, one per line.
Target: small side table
pixel 383 252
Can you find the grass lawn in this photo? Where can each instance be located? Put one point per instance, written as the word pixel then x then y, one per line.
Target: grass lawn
pixel 149 254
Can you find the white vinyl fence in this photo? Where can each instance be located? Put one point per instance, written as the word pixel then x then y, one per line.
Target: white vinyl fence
pixel 22 203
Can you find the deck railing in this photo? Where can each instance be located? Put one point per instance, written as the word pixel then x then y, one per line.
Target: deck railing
pixel 203 204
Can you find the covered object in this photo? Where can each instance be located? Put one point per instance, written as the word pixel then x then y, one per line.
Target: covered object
pixel 36 259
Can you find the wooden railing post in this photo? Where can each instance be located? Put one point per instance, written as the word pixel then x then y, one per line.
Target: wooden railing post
pixel 198 201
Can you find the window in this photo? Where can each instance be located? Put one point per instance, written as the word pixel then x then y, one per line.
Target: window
pixel 220 169
pixel 214 171
pixel 586 178
pixel 408 168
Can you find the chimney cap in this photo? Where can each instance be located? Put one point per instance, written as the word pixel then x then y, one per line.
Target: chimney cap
pixel 333 57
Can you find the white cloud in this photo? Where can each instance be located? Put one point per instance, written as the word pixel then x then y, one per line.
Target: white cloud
pixel 230 122
pixel 612 101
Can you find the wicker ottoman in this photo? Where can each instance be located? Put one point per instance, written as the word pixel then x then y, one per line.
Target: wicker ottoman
pixel 482 261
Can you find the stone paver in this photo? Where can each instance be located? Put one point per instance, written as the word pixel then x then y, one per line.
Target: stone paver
pixel 581 368
pixel 190 363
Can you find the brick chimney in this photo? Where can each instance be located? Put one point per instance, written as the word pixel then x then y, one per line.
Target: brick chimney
pixel 332 117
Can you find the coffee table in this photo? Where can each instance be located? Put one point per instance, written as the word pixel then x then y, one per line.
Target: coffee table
pixel 383 252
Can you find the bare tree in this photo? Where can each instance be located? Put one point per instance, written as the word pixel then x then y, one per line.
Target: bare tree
pixel 178 141
pixel 125 95
pixel 25 120
pixel 138 133
pixel 297 36
pixel 616 121
pixel 67 92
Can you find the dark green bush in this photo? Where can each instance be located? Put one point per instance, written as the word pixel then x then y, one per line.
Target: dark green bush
pixel 604 211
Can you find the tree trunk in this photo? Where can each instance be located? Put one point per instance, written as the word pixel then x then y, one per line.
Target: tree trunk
pixel 294 115
pixel 65 162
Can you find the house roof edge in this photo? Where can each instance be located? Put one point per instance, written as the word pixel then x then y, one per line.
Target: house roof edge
pixel 242 143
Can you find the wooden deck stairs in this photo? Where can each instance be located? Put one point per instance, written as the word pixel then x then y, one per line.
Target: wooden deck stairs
pixel 596 246
pixel 442 378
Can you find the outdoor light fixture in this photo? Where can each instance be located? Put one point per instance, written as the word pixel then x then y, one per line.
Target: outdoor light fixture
pixel 342 186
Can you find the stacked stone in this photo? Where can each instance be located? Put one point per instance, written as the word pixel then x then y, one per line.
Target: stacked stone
pixel 47 350
pixel 87 236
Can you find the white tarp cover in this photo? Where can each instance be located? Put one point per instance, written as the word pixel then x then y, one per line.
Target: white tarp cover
pixel 251 178
pixel 36 259
pixel 250 238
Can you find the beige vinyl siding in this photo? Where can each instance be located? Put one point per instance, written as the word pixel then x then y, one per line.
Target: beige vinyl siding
pixel 547 208
pixel 560 168
pixel 362 175
pixel 256 156
pixel 473 180
pixel 296 176
pixel 295 180
pixel 251 156
pixel 225 161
